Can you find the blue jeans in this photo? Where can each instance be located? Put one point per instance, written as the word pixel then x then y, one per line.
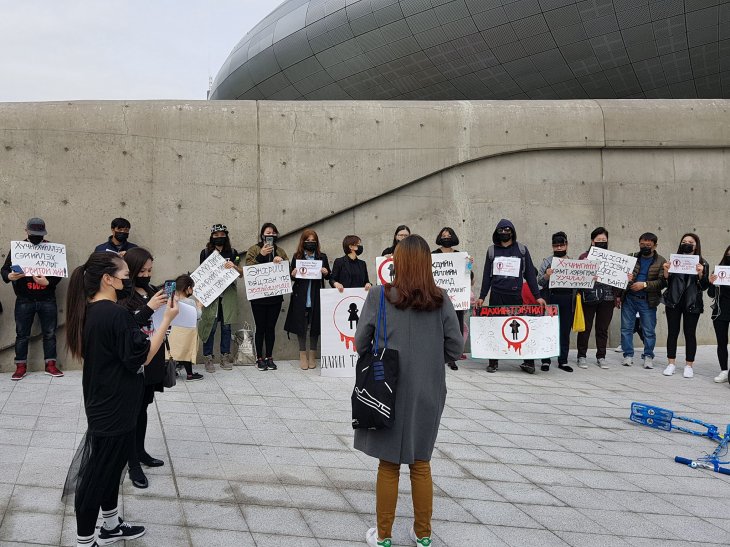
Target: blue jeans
pixel 225 340
pixel 647 317
pixel 25 311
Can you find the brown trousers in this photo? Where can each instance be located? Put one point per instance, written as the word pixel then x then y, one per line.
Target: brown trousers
pixel 386 494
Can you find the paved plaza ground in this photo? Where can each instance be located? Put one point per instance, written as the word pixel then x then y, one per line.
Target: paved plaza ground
pixel 266 459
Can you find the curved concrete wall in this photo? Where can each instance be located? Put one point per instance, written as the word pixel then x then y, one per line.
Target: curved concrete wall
pixel 175 168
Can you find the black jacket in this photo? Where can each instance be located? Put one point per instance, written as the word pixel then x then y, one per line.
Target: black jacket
pixel 686 290
pixel 295 322
pixel 720 303
pixel 352 274
pixel 154 372
pixel 26 288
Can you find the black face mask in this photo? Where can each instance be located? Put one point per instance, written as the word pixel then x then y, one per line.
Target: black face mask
pixel 359 250
pixel 142 282
pixel 218 241
pixel 447 242
pixel 126 290
pixel 601 244
pixel 505 237
pixel 560 254
pixel 645 251
pixel 121 237
pixel 35 240
pixel 310 246
pixel 686 248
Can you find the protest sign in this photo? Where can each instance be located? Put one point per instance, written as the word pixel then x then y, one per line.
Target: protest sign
pixel 515 332
pixel 613 268
pixel 340 313
pixel 268 279
pixel 683 264
pixel 309 269
pixel 47 259
pixel 384 269
pixel 508 266
pixel 187 316
pixel 212 278
pixel 723 275
pixel 573 274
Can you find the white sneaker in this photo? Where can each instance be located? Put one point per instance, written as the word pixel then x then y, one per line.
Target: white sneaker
pixel 423 541
pixel 628 361
pixel 688 372
pixel 371 538
pixel 582 362
pixel 722 377
pixel 618 349
pixel 669 370
pixel 648 362
pixel 602 362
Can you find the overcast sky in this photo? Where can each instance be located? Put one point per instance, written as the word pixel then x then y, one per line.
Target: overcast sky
pixel 53 50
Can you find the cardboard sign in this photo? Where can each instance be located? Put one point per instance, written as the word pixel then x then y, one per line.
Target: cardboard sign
pixel 723 275
pixel 450 272
pixel 47 259
pixel 187 316
pixel 268 279
pixel 683 264
pixel 506 266
pixel 309 269
pixel 573 274
pixel 614 268
pixel 212 278
pixel 340 314
pixel 515 332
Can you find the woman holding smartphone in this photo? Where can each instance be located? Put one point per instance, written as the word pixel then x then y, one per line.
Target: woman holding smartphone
pixel 115 354
pixel 266 310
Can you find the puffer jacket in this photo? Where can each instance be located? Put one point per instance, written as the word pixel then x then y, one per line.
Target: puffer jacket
pixel 686 290
pixel 656 281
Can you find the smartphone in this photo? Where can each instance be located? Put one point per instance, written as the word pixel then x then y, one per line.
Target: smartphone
pixel 16 269
pixel 170 287
pixel 269 240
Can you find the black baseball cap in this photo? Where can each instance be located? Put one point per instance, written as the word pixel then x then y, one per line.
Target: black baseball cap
pixel 36 227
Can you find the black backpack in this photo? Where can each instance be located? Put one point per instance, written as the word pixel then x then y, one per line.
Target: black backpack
pixel 376 380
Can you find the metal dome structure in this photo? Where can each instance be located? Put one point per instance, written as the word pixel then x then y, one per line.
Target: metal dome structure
pixel 483 49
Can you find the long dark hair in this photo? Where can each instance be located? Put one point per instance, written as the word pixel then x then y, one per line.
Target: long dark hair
pixel 209 247
pixel 184 282
pixel 698 247
pixel 84 284
pixel 306 234
pixel 136 259
pixel 414 278
pixel 398 229
pixel 725 260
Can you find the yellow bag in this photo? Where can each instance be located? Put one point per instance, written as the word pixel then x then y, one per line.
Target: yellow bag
pixel 579 320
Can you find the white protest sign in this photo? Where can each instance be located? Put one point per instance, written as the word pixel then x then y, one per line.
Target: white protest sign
pixel 683 264
pixel 384 270
pixel 723 275
pixel 450 272
pixel 212 278
pixel 267 279
pixel 507 334
pixel 573 274
pixel 613 267
pixel 309 269
pixel 47 259
pixel 508 266
pixel 186 317
pixel 340 313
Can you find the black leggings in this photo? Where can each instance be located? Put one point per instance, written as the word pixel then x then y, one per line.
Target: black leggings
pixel 674 318
pixel 265 316
pixel 136 447
pixel 721 330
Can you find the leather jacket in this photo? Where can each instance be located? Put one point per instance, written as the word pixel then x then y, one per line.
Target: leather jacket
pixel 688 286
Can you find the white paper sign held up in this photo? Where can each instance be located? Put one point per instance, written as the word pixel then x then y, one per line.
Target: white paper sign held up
pixel 508 266
pixel 573 274
pixel 683 264
pixel 48 259
pixel 309 269
pixel 267 279
pixel 212 278
pixel 723 275
pixel 613 267
pixel 340 314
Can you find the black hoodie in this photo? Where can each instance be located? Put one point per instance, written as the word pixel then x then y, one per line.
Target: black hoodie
pixel 504 284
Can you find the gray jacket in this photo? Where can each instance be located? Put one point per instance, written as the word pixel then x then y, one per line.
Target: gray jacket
pixel 424 341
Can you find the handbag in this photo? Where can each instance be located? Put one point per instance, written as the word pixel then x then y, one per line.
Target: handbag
pixel 376 380
pixel 170 378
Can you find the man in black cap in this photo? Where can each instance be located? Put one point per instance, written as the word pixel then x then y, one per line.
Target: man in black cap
pixel 33 295
pixel 118 242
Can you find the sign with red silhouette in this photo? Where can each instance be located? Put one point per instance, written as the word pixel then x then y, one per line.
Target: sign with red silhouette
pixel 340 314
pixel 528 331
pixel 683 264
pixel 723 275
pixel 308 269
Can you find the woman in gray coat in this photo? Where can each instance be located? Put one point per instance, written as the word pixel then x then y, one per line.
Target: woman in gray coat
pixel 423 328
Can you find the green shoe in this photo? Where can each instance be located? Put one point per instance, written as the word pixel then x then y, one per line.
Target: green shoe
pixel 372 539
pixel 426 541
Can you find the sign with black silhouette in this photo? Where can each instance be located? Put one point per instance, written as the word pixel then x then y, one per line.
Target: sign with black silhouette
pixel 450 272
pixel 308 269
pixel 723 275
pixel 515 332
pixel 339 318
pixel 683 264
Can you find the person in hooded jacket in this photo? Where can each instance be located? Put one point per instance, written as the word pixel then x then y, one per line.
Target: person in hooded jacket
pixel 721 317
pixel 683 303
pixel 563 298
pixel 507 290
pixel 304 307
